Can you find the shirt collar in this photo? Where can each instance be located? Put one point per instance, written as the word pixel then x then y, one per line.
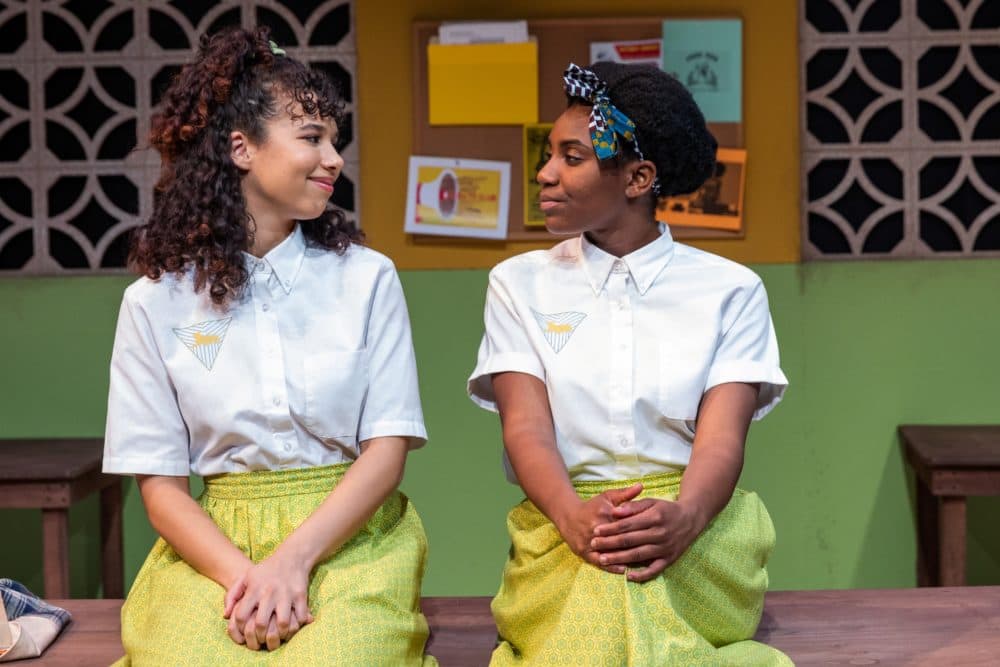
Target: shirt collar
pixel 283 261
pixel 644 264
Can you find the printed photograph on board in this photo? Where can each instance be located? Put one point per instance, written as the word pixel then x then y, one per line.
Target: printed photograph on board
pixel 718 203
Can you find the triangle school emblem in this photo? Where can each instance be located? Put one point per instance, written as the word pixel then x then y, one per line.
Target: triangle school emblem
pixel 558 327
pixel 205 339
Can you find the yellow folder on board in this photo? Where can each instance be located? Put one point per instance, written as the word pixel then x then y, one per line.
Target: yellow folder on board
pixel 482 84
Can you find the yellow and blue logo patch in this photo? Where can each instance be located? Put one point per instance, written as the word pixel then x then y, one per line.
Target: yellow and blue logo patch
pixel 205 339
pixel 557 328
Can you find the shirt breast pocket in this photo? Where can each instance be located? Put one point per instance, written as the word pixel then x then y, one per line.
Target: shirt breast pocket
pixel 336 382
pixel 684 369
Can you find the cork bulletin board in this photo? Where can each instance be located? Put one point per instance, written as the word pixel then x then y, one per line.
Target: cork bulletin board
pixel 560 41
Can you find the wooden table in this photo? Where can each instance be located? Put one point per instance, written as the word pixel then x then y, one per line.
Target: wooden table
pixel 951 463
pixel 915 626
pixel 51 474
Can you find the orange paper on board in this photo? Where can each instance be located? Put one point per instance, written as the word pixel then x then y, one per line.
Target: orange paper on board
pixel 718 203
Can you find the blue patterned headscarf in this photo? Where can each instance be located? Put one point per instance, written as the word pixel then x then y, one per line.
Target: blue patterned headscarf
pixel 607 122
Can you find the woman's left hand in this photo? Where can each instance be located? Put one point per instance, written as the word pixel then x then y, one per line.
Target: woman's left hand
pixel 273 604
pixel 648 534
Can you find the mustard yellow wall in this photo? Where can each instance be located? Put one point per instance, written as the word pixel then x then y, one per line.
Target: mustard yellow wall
pixel 770 103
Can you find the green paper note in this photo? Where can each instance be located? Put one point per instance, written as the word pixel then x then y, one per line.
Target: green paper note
pixel 707 57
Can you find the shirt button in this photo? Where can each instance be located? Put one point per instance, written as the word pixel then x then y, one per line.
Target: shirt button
pixel 276 400
pixel 288 447
pixel 623 441
pixel 265 307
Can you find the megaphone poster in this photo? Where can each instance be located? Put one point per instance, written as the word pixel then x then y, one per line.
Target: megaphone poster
pixel 457 197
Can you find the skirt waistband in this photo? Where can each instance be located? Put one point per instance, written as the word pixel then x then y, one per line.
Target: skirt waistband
pixel 271 483
pixel 660 482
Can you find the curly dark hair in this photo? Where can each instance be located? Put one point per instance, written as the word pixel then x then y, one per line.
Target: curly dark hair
pixel 670 127
pixel 199 214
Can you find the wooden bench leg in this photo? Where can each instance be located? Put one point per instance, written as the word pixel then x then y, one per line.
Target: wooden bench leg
pixel 951 528
pixel 112 557
pixel 928 547
pixel 55 556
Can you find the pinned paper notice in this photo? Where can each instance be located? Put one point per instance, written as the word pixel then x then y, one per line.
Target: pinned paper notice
pixel 634 52
pixel 456 197
pixel 536 149
pixel 483 32
pixel 718 203
pixel 707 57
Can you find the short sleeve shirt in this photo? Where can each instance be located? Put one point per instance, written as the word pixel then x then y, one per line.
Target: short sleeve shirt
pixel 314 358
pixel 627 347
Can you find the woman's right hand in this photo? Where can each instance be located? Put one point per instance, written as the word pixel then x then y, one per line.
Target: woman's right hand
pixel 267 604
pixel 530 441
pixel 577 522
pixel 234 593
pixel 247 634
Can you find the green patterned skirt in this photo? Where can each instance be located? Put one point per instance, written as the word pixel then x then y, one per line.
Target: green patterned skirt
pixel 365 598
pixel 555 609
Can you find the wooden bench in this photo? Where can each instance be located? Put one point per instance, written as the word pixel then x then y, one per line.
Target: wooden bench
pixel 950 463
pixel 51 474
pixel 939 626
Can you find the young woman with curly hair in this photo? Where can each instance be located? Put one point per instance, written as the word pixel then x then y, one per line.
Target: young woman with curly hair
pixel 626 369
pixel 267 351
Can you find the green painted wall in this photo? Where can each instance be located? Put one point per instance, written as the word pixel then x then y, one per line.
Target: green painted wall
pixel 866 346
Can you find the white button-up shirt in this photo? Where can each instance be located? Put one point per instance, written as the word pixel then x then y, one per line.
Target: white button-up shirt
pixel 626 347
pixel 315 358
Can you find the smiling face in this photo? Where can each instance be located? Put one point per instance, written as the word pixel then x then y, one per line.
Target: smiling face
pixel 579 193
pixel 289 174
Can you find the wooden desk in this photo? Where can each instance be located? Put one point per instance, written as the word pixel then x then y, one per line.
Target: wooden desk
pixel 925 626
pixel 51 474
pixel 951 463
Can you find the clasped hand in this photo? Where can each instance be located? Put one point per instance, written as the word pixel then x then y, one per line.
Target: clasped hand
pixel 617 533
pixel 268 603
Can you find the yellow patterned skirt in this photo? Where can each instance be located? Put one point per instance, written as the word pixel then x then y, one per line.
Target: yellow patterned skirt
pixel 555 609
pixel 365 598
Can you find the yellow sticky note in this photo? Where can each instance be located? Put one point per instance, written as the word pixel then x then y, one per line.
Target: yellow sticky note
pixel 482 84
